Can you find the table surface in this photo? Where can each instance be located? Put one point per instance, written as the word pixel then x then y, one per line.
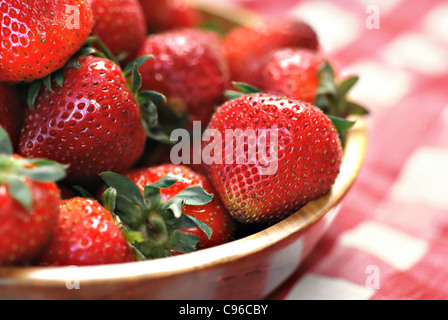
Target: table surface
pixel 390 239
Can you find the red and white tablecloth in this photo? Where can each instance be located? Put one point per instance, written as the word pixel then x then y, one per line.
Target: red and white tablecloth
pixel 390 239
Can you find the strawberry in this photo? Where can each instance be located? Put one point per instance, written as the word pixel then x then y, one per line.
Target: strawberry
pixel 120 24
pixel 304 74
pixel 12 112
pixel 298 162
pixel 188 68
pixel 162 15
pixel 244 47
pixel 293 72
pixel 91 121
pixel 39 37
pixel 167 211
pixel 29 204
pixel 213 214
pixel 86 234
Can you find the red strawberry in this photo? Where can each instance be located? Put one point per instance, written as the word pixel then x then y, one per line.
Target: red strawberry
pixel 303 74
pixel 12 111
pixel 166 210
pixel 244 47
pixel 188 68
pixel 39 37
pixel 300 165
pixel 162 15
pixel 92 122
pixel 120 24
pixel 29 204
pixel 213 214
pixel 293 72
pixel 86 235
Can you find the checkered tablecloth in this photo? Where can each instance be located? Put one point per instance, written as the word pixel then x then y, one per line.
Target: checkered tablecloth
pixel 390 239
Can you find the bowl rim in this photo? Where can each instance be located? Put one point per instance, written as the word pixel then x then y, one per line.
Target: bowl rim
pixel 353 158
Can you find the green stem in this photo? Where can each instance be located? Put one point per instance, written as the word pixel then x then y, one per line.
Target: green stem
pixel 158 232
pixel 332 106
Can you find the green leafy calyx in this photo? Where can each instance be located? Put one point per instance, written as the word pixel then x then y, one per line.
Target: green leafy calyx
pixel 153 226
pixel 92 46
pixel 242 89
pixel 332 97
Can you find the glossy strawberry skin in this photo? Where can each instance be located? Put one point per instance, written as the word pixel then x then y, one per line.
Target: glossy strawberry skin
pixel 244 47
pixel 292 72
pixel 23 234
pixel 12 111
pixel 39 37
pixel 120 24
pixel 188 68
pixel 214 213
pixel 86 234
pixel 163 15
pixel 308 158
pixel 91 123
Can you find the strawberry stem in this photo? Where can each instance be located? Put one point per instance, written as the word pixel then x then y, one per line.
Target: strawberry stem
pixel 159 232
pixel 103 51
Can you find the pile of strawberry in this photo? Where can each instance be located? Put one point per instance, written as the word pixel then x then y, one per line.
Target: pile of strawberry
pixel 89 93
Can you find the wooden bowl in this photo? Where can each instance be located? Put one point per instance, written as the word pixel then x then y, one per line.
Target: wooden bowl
pixel 249 268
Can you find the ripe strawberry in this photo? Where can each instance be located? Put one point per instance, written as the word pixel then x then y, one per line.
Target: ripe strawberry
pixel 167 211
pixel 162 15
pixel 305 75
pixel 39 37
pixel 213 214
pixel 293 72
pixel 86 234
pixel 300 166
pixel 188 68
pixel 120 24
pixel 12 111
pixel 92 122
pixel 29 204
pixel 244 47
